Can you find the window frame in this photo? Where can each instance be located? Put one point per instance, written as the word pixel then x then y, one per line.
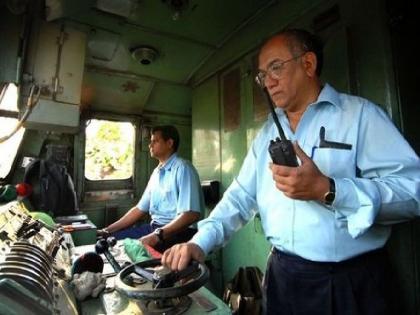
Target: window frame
pixel 108 184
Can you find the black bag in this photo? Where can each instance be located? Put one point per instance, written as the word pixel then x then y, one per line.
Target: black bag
pixel 243 293
pixel 53 188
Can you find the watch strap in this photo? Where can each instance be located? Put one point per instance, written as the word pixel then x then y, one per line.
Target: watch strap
pixel 330 195
pixel 159 233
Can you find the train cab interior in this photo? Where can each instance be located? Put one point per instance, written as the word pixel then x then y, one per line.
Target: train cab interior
pixel 83 83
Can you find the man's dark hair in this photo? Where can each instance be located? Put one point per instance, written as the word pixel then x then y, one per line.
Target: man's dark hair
pixel 168 132
pixel 300 41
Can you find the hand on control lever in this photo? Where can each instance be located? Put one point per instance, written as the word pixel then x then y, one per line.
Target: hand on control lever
pixel 104 233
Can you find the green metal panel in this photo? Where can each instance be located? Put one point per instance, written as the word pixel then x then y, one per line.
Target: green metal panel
pixel 403 249
pixel 274 16
pixel 206 155
pixel 336 70
pixel 234 145
pixel 233 142
pixel 170 98
pixel 54 116
pixel 115 93
pixel 371 50
pixel 71 65
pixel 84 237
pixel 205 130
pixel 10 27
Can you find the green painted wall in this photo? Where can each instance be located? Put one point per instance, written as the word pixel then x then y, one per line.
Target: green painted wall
pixel 206 155
pixel 218 155
pixel 206 130
pixel 10 63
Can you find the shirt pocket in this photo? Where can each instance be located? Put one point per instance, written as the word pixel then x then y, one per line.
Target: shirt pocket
pixel 168 199
pixel 335 162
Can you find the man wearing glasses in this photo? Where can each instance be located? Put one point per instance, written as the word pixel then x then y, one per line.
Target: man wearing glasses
pixel 329 218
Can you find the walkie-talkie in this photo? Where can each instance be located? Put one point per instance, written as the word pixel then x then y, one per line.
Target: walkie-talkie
pixel 281 150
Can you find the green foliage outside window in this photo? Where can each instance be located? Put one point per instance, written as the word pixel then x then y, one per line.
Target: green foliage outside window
pixel 109 152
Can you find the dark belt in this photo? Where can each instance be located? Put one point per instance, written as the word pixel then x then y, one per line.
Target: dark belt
pixel 365 258
pixel 155 225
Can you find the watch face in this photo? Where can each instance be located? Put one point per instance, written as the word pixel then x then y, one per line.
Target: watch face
pixel 159 233
pixel 329 198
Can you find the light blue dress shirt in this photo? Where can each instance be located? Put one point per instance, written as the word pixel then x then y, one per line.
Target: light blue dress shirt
pixel 377 184
pixel 173 188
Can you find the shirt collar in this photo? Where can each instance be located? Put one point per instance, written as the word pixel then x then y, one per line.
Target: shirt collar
pixel 327 95
pixel 169 162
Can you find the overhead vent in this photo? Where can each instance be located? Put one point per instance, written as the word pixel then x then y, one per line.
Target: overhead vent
pixel 177 6
pixel 145 55
pixel 122 8
pixel 103 44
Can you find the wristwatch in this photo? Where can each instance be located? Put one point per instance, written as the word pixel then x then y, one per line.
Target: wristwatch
pixel 330 195
pixel 159 233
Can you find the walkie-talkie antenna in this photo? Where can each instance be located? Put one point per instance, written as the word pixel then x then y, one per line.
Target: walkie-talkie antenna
pixel 281 150
pixel 273 113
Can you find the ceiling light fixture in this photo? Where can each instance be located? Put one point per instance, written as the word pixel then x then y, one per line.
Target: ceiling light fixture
pixel 145 55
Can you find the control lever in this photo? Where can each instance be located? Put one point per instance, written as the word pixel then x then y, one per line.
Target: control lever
pixel 102 247
pixel 55 244
pixel 31 233
pixel 30 229
pixel 23 228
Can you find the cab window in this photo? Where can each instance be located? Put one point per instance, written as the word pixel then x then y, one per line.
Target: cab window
pixel 109 150
pixel 9 141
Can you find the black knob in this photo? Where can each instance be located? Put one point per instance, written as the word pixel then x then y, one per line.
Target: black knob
pixel 111 241
pixel 101 246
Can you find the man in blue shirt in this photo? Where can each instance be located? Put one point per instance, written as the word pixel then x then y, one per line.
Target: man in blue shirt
pixel 173 197
pixel 329 218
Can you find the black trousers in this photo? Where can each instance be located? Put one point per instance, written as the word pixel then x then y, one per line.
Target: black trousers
pixel 358 286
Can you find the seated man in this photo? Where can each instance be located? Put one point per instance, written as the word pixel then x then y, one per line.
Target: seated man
pixel 173 197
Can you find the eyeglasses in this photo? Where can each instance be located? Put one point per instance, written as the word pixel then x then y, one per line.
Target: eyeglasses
pixel 274 70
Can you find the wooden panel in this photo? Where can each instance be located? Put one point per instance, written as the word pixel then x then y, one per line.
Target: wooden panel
pixel 232 100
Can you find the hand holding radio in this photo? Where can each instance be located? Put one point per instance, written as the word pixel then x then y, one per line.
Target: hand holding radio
pixel 305 182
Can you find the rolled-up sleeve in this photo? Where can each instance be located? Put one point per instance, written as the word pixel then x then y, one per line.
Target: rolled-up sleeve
pixel 144 202
pixel 189 189
pixel 388 188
